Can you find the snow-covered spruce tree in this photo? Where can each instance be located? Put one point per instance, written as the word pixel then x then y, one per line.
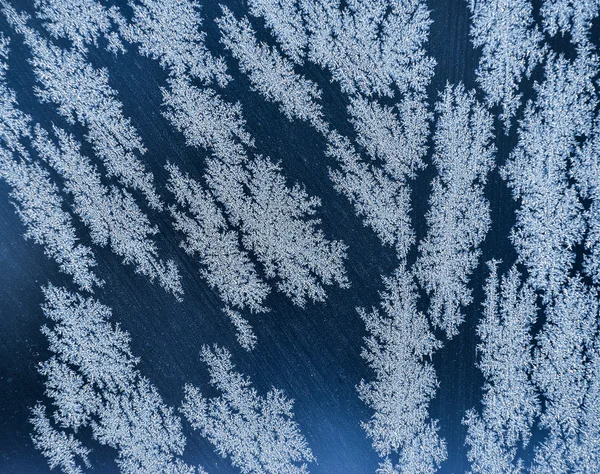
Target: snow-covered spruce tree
pixel 550 220
pixel 570 16
pixel 399 339
pixel 170 32
pixel 226 266
pixel 284 19
pixel 567 374
pixel 257 433
pixel 60 450
pixel 383 202
pixel 459 214
pixel 93 381
pixel 35 196
pixel 82 94
pixel 510 402
pixel 586 170
pixel 83 22
pixel 111 214
pixel 511 45
pixel 270 73
pixel 368 46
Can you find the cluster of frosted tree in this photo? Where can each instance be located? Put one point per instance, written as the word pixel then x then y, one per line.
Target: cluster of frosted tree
pixel 347 43
pixel 110 213
pixel 399 339
pixel 92 381
pixel 82 93
pixel 271 216
pixel 459 214
pixel 570 16
pixel 83 22
pixel 257 433
pixel 553 380
pixel 268 217
pixel 510 401
pixel 35 195
pixel 510 45
pixel 567 373
pixel 550 218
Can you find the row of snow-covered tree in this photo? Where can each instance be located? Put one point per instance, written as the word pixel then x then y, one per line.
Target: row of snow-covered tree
pixel 248 227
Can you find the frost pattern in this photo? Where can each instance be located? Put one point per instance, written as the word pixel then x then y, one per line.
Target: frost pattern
pixel 92 380
pixel 459 214
pixel 270 73
pixel 510 401
pixel 258 433
pixel 511 47
pixel 169 31
pixel 383 202
pixel 111 214
pixel 567 370
pixel 40 208
pixel 283 17
pixel 399 338
pixel 572 16
pixel 244 333
pixel 228 267
pixel 398 140
pixel 81 21
pixel 586 170
pixel 60 449
pixel 550 218
pixel 255 196
pixel 371 45
pixel 271 215
pixel 83 94
pixel 35 196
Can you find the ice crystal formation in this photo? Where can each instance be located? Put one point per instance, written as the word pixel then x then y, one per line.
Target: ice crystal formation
pixel 566 373
pixel 570 16
pixel 111 214
pixel 257 432
pixel 35 195
pixel 550 218
pixel 511 48
pixel 495 160
pixel 93 381
pixel 459 215
pixel 398 342
pixel 207 234
pixel 510 401
pixel 82 93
